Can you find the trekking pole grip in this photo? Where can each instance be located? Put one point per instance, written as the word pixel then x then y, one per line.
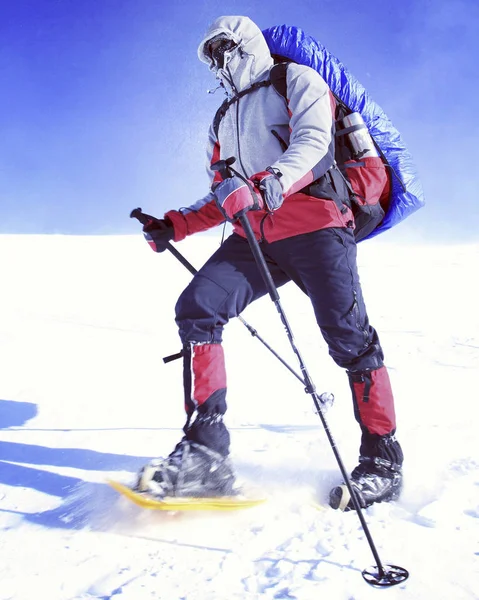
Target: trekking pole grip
pixel 144 219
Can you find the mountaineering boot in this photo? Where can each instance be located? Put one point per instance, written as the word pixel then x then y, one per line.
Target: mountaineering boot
pixel 373 480
pixel 377 478
pixel 191 470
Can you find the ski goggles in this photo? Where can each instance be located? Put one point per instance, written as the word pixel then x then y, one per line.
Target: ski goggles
pixel 217 48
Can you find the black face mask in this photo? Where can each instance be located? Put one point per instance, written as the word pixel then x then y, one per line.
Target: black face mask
pixel 218 54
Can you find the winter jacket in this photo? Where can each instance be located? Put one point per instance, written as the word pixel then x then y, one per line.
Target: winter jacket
pixel 305 124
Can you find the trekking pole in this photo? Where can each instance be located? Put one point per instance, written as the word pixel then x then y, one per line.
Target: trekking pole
pixel 326 399
pixel 380 575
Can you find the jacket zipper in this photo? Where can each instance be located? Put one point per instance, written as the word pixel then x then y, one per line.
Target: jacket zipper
pixel 238 140
pixel 261 225
pixel 261 228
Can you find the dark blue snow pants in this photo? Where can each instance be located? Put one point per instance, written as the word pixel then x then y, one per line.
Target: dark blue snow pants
pixel 323 265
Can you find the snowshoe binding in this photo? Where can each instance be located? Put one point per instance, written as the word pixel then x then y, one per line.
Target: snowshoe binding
pixel 191 470
pixel 373 480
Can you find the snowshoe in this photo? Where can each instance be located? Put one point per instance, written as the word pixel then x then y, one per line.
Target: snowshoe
pixel 191 470
pixel 373 480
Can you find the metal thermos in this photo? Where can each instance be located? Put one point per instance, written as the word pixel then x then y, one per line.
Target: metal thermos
pixel 357 135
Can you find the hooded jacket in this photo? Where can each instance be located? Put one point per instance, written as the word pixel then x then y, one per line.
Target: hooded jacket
pixel 257 128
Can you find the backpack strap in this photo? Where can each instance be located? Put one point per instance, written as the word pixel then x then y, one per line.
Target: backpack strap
pixel 278 81
pixel 277 76
pixel 223 109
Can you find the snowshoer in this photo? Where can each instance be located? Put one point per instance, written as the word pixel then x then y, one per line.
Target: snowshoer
pixel 286 151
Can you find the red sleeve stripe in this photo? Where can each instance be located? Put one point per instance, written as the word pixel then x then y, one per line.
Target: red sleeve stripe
pixel 215 157
pixel 301 183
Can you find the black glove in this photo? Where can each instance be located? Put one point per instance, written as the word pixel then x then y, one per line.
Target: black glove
pixel 158 233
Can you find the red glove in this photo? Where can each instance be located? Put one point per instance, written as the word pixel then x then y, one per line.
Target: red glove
pixel 235 196
pixel 268 183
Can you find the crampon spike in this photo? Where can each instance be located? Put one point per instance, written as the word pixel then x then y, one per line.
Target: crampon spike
pixel 387 576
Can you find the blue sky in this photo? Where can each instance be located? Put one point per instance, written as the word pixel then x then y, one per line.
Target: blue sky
pixel 104 104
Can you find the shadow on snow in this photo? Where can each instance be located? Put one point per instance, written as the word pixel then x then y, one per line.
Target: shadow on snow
pixel 86 504
pixel 73 491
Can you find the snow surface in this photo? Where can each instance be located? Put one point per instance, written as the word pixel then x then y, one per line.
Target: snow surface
pixel 84 395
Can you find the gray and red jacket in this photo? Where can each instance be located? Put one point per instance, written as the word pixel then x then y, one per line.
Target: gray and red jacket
pixel 256 130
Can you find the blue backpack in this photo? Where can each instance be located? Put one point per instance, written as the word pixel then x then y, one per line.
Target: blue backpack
pixel 405 195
